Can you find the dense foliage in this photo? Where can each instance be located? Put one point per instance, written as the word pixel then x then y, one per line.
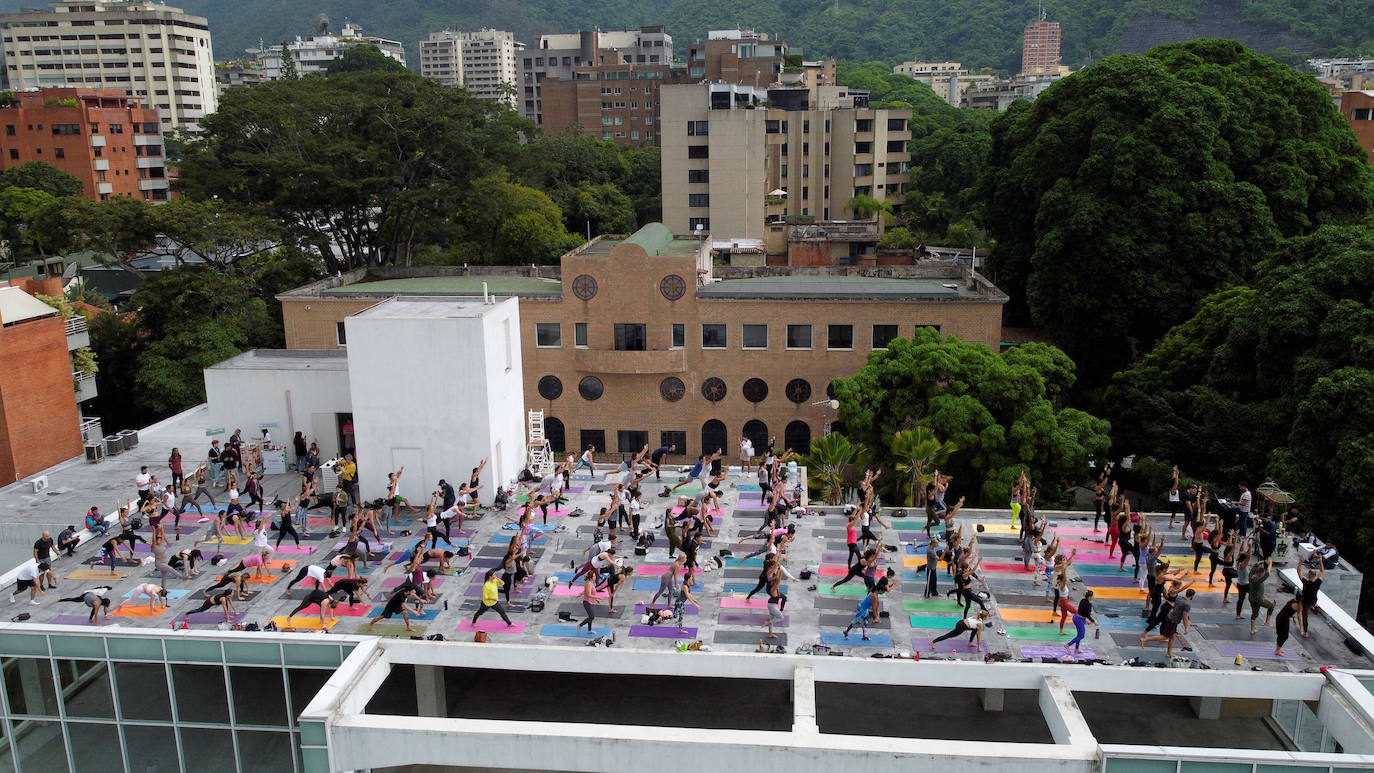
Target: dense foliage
pixel 978 32
pixel 1128 191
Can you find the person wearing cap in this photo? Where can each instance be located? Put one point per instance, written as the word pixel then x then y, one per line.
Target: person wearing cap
pixel 67 541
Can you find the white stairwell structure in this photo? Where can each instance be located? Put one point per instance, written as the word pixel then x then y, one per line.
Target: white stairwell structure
pixel 540 453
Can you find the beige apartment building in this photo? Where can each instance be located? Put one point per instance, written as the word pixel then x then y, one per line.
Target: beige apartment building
pixel 156 53
pixel 636 340
pixel 483 62
pixel 736 157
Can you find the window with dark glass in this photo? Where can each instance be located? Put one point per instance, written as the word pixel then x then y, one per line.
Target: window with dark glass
pixel 798 336
pixel 755 337
pixel 631 441
pixel 548 334
pixel 840 337
pixel 630 337
pixel 679 335
pixel 883 335
pixel 580 334
pixel 596 438
pixel 673 437
pixel 713 336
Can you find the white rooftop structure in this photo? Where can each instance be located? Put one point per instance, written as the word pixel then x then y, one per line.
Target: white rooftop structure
pixel 17 306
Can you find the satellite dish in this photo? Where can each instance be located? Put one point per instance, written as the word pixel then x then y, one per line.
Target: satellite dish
pixel 70 271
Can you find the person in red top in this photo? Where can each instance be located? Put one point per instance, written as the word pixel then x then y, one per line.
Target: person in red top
pixel 1066 611
pixel 174 464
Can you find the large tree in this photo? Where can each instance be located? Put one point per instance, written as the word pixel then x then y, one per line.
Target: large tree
pixel 360 164
pixel 1130 190
pixel 1003 412
pixel 42 177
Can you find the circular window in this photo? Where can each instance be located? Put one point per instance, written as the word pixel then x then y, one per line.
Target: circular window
pixel 590 388
pixel 672 287
pixel 830 390
pixel 755 390
pixel 672 389
pixel 550 388
pixel 584 286
pixel 713 389
pixel 798 390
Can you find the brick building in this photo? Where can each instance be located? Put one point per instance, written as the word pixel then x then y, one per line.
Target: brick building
pixel 623 345
pixel 617 101
pixel 104 138
pixel 1358 108
pixel 554 56
pixel 1040 48
pixel 39 418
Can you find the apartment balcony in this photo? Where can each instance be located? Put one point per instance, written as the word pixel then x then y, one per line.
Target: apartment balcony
pixel 863 158
pixel 85 386
pixel 78 335
pixel 98 141
pixel 90 430
pixel 147 139
pixel 153 185
pixel 630 363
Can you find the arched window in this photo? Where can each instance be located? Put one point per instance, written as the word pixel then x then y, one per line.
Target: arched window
pixel 797 437
pixel 714 437
pixel 553 430
pixel 757 432
pixel 837 428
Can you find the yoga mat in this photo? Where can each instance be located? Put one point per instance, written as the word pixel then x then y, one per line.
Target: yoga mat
pixel 728 617
pixel 301 623
pixel 1123 580
pixel 1029 615
pixel 211 616
pixel 841 620
pixel 396 582
pixel 738 587
pixel 715 513
pixel 731 602
pixel 491 626
pixel 79 620
pixel 649 585
pixel 931 621
pixel 342 610
pixel 642 608
pixel 957 644
pixel 844 590
pixel 651 570
pixel 391 628
pixel 96 574
pixel 1037 634
pixel 836 639
pixel 579 613
pixel 430 612
pixel 172 594
pixel 930 605
pixel 664 631
pixel 1253 651
pixel 1056 653
pixel 1136 624
pixel 920 561
pixel 748 637
pixel 564 590
pixel 299 550
pixel 572 632
pixel 474 591
pixel 133 609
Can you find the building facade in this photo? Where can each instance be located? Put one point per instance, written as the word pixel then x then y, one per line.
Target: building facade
pixel 555 56
pixel 312 54
pixel 745 57
pixel 155 53
pixel 102 137
pixel 483 62
pixel 1040 48
pixel 40 422
pixel 949 80
pixel 622 345
pixel 1358 108
pixel 617 101
pixel 730 163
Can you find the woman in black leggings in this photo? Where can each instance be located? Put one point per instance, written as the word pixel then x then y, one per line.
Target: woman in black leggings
pixel 974 627
pixel 286 526
pixel 963 590
pixel 223 599
pixel 858 569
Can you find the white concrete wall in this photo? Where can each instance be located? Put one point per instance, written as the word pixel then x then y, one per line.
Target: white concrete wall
pixel 247 398
pixel 433 394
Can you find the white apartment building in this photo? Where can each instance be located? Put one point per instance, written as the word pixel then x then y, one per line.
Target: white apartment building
pixel 482 62
pixel 312 54
pixel 157 53
pixel 555 56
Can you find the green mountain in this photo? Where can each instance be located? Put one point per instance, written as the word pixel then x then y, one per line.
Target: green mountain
pixel 980 33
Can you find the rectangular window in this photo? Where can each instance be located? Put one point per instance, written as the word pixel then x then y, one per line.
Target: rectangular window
pixel 698 128
pixel 116 128
pixel 9 129
pixel 675 439
pixel 713 336
pixel 798 336
pixel 580 335
pixel 631 441
pixel 66 128
pixel 548 335
pixel 755 337
pixel 60 152
pixel 698 151
pixel 679 335
pixel 698 199
pixel 882 335
pixel 596 438
pixel 698 175
pixel 694 223
pixel 840 337
pixel 14 153
pixel 630 337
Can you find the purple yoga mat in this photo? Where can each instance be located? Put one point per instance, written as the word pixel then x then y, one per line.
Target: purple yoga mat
pixel 395 582
pixel 210 616
pixel 745 617
pixel 689 609
pixel 955 645
pixel 79 620
pixel 666 631
pixel 1058 653
pixel 1254 651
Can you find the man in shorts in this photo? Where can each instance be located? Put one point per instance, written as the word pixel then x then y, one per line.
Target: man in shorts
pixel 28 578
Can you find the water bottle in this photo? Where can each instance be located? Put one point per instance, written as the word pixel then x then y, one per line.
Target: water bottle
pixel 1097 633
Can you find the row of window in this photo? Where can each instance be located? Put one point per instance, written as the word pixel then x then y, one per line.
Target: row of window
pixel 673 389
pixel 715 436
pixel 633 336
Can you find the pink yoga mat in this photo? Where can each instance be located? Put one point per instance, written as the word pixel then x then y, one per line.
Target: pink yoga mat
pixel 836 571
pixel 576 590
pixel 491 626
pixel 298 550
pixel 1003 568
pixel 651 570
pixel 730 602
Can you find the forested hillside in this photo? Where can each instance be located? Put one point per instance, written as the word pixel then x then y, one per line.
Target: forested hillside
pixel 981 33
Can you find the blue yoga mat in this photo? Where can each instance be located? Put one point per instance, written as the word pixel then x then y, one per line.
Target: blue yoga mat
pixel 836 639
pixel 571 632
pixel 430 613
pixel 647 584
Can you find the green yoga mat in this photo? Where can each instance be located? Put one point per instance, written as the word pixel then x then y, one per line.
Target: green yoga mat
pixel 916 526
pixel 930 621
pixel 930 605
pixel 843 590
pixel 1039 634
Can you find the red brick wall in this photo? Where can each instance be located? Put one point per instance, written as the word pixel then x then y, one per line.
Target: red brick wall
pixel 39 419
pixel 1364 129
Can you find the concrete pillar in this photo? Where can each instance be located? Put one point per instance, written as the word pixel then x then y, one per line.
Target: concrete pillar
pixel 804 700
pixel 430 697
pixel 1206 707
pixel 993 699
pixel 1062 714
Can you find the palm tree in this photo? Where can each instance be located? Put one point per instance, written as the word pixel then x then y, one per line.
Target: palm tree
pixel 827 462
pixel 919 455
pixel 864 206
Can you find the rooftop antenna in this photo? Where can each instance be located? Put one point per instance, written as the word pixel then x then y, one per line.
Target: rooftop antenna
pixel 1041 6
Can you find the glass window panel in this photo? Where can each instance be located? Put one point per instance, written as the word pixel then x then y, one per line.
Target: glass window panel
pixel 840 337
pixel 77 646
pixel 305 683
pixel 265 752
pixel 579 334
pixel 95 747
pixel 6 761
pixel 679 335
pixel 1199 766
pixel 630 337
pixel 143 691
pixel 257 653
pixel 1127 765
pixel 316 760
pixel 41 748
pixel 86 688
pixel 200 693
pixel 313 734
pixel 303 655
pixel 23 644
pixel 798 336
pixel 147 743
pixel 29 686
pixel 883 335
pixel 259 696
pixel 137 649
pixel 211 750
pixel 548 334
pixel 195 651
pixel 713 336
pixel 755 337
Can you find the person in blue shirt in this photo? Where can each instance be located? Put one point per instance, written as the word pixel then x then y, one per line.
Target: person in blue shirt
pixel 869 608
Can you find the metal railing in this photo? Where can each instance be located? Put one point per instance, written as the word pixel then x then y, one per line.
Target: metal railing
pixel 76 324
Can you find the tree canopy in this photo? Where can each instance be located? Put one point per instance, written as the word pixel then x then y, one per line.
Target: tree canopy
pixel 364 59
pixel 41 177
pixel 1003 412
pixel 1128 191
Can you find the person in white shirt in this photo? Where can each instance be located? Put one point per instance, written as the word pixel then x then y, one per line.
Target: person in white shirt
pixel 1243 504
pixel 746 454
pixel 27 579
pixel 155 593
pixel 144 481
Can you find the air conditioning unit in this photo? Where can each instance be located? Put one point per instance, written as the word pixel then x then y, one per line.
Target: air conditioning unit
pixel 40 484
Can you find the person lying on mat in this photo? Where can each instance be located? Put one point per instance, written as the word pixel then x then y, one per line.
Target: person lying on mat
pixel 155 593
pixel 223 599
pixel 95 599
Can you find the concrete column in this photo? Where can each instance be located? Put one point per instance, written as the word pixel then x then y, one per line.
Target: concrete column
pixel 1062 714
pixel 430 697
pixel 30 680
pixel 1206 707
pixel 804 700
pixel 993 699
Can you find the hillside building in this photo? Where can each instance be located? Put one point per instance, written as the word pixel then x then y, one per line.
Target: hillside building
pixel 1040 48
pixel 1358 108
pixel 312 54
pixel 156 53
pixel 555 56
pixel 483 62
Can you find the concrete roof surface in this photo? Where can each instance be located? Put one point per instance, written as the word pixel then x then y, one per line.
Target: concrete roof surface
pixel 453 285
pixel 839 287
